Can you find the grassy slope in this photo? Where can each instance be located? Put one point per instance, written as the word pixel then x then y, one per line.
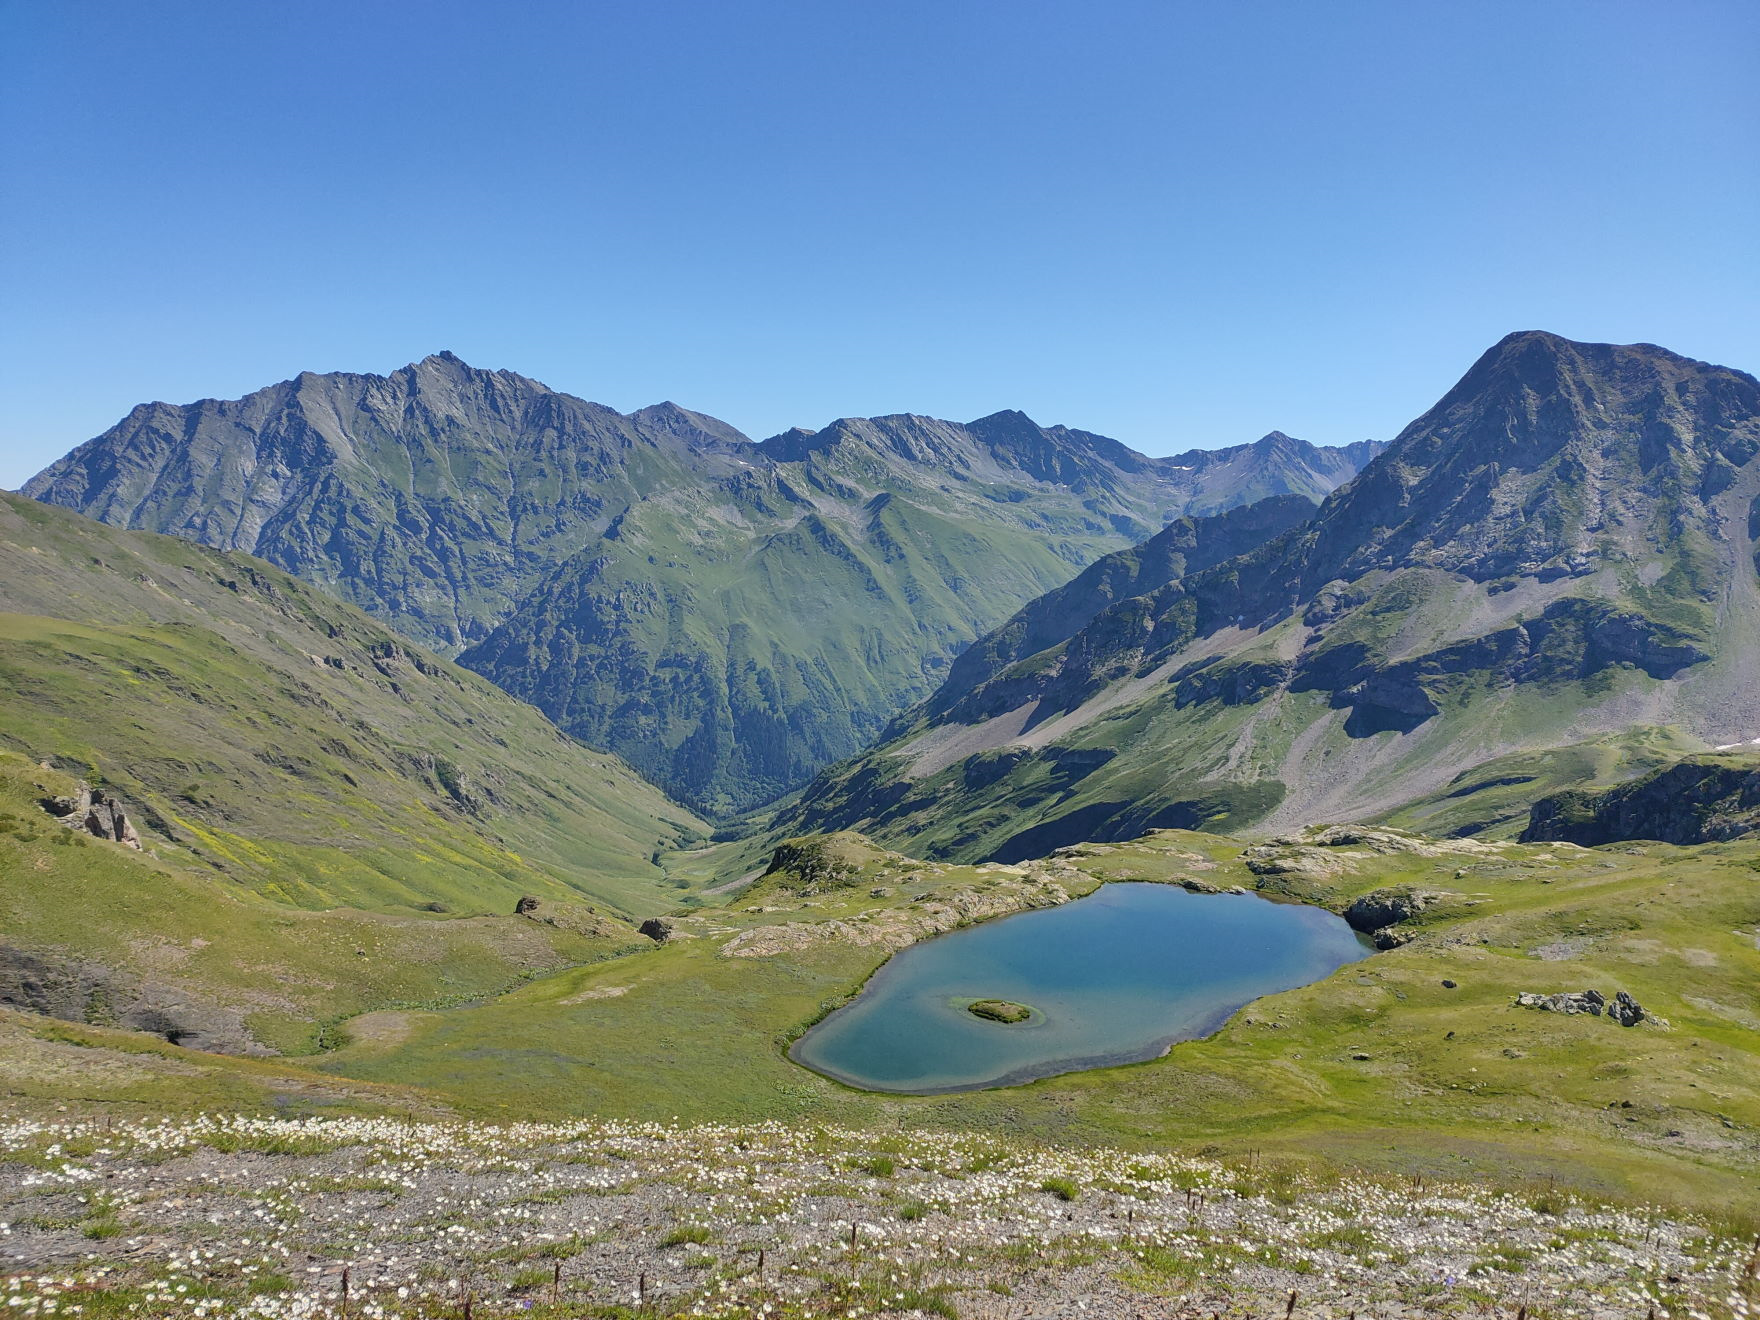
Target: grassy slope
pixel 1456 1080
pixel 295 746
pixel 290 970
pixel 48 1067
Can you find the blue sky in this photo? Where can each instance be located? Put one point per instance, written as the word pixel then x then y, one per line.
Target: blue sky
pixel 1181 224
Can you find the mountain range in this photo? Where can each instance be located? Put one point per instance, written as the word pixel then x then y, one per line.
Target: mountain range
pixel 727 616
pixel 1549 577
pixel 1546 581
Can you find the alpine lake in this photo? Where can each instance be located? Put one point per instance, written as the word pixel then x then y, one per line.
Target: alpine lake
pixel 1116 977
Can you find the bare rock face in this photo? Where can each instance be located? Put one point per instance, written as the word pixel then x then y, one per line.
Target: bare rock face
pixel 1378 910
pixel 1702 799
pixel 98 814
pixel 83 991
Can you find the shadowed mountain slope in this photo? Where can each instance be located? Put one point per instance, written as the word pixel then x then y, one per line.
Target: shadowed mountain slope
pixel 1563 549
pixel 1184 546
pixel 730 617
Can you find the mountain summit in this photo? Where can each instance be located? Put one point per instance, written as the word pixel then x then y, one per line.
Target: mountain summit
pixel 434 497
pixel 1561 550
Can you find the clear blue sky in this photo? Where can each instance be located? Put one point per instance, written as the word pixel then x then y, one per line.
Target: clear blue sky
pixel 1181 224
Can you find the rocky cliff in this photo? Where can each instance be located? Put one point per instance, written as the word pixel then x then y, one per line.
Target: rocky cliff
pixel 1703 799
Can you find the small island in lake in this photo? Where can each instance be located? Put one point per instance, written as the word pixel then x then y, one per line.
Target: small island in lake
pixel 999 1010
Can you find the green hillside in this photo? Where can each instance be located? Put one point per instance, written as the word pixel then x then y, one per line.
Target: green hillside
pixel 98 933
pixel 1416 1062
pixel 284 742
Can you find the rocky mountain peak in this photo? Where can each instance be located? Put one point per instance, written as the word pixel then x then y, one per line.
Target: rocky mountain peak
pixel 1277 440
pixel 1544 446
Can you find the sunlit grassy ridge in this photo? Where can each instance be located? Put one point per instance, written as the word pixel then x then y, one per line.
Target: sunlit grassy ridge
pixel 257 727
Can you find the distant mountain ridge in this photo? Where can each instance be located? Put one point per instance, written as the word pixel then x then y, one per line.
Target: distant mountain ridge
pixel 729 616
pixel 434 497
pixel 1562 549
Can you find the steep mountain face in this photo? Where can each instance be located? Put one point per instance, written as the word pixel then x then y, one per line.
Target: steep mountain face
pixel 260 730
pixel 434 498
pixel 1564 547
pixel 1184 546
pixel 1701 799
pixel 728 616
pixel 732 641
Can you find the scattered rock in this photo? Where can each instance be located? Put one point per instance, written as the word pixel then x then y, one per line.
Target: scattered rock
pixel 1625 1010
pixel 1447 984
pixel 1580 1001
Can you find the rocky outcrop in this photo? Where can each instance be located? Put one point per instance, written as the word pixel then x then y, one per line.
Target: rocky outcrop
pixel 1377 911
pixel 1624 1009
pixel 96 813
pixel 658 929
pixel 1699 800
pixel 1012 889
pixel 1571 1002
pixel 818 863
pixel 82 991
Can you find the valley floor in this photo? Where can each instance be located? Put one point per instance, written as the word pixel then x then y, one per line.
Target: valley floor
pixel 382 1218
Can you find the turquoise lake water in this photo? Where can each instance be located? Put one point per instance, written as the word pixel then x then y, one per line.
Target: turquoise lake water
pixel 1112 978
